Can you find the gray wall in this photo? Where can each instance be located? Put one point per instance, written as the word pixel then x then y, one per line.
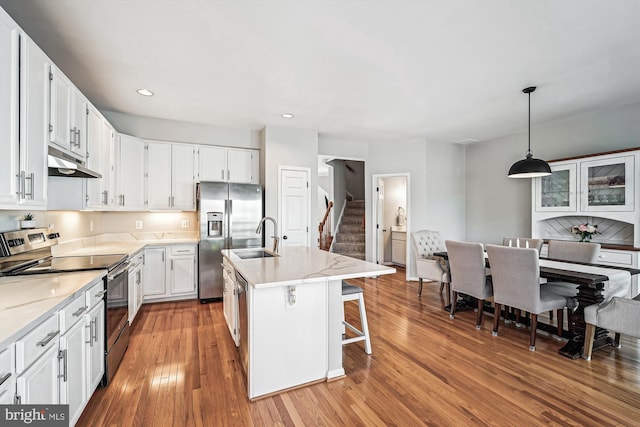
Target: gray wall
pixel 497 206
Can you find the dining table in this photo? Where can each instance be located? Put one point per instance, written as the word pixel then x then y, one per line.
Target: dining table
pixel 597 283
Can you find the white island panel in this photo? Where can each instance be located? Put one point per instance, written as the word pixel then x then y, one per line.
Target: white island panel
pixel 288 346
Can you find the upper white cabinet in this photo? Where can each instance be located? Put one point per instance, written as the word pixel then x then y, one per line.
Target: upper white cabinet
pixel 99 141
pixel 9 156
pixel 60 105
pixel 604 183
pixel 130 173
pixel 228 164
pixel 34 78
pixel 607 184
pixel 558 191
pixel 170 176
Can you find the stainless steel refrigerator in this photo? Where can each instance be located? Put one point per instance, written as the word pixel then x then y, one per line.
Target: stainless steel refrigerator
pixel 229 215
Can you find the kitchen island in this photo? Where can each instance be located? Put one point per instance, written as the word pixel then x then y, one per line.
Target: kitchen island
pixel 291 322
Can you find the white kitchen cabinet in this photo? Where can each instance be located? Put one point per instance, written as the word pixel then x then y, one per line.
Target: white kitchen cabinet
pixel 94 322
pixel 37 364
pixel 73 380
pixel 9 106
pixel 34 78
pixel 155 276
pixel 182 269
pixel 7 375
pixel 230 300
pixel 228 164
pixel 170 176
pixel 135 284
pixel 399 247
pixel 60 99
pixel 99 142
pixel 130 173
pixel 170 273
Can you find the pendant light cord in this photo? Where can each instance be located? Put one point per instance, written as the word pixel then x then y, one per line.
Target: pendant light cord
pixel 529 148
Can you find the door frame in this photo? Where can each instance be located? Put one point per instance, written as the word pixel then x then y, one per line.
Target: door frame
pixel 308 207
pixel 374 215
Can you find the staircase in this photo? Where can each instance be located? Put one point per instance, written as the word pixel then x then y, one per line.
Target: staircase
pixel 350 240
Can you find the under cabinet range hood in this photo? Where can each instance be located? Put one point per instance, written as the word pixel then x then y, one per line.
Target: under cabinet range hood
pixel 61 164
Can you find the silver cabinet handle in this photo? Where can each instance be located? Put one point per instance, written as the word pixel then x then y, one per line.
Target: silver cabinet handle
pixel 79 311
pixel 100 294
pixel 6 377
pixel 90 328
pixel 173 202
pixel 228 175
pixel 162 256
pixel 78 137
pixel 62 355
pixel 30 194
pixel 104 197
pixel 23 185
pixel 172 264
pixel 72 136
pixel 94 330
pixel 48 338
pixel 169 201
pixel 222 176
pixel 185 250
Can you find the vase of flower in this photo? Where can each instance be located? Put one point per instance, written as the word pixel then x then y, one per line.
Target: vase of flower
pixel 586 231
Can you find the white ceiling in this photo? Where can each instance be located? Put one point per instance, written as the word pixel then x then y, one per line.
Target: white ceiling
pixel 365 70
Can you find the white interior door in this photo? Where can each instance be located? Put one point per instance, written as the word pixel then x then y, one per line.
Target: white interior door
pixel 380 230
pixel 294 206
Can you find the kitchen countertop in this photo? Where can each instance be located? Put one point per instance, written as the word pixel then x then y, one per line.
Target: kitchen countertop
pixel 121 243
pixel 301 264
pixel 26 301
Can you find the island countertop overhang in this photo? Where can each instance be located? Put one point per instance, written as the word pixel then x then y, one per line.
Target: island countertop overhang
pixel 299 265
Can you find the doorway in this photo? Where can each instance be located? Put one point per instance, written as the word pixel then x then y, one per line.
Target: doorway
pixel 390 219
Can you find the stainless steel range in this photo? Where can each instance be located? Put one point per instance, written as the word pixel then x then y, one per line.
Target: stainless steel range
pixel 25 252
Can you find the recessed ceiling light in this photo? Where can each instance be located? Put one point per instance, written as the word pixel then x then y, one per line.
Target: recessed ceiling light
pixel 287 116
pixel 145 92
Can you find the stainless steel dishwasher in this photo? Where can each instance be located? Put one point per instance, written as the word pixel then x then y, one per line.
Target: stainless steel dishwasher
pixel 242 284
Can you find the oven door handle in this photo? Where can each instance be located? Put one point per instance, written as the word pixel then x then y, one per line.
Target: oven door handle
pixel 119 271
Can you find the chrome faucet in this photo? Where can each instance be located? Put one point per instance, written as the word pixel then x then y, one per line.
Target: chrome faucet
pixel 275 237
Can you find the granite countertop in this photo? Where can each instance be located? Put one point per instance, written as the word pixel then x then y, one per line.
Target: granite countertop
pixel 297 265
pixel 25 301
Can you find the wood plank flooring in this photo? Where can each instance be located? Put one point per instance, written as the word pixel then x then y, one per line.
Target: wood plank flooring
pixel 182 369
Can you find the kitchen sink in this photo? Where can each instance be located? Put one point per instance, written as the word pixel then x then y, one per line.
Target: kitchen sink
pixel 257 253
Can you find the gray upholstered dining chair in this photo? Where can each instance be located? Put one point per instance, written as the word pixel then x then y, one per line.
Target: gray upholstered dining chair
pixel 516 283
pixel 430 267
pixel 620 315
pixel 523 242
pixel 468 274
pixel 574 251
pixel 571 252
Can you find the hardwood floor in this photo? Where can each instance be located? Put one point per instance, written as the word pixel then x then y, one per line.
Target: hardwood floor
pixel 182 369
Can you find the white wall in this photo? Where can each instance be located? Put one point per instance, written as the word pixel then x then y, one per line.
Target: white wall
pixel 288 147
pixel 175 131
pixel 498 206
pixel 436 187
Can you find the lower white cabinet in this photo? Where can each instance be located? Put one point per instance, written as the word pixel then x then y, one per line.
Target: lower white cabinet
pixel 135 285
pixel 94 323
pixel 7 376
pixel 230 300
pixel 170 273
pixel 73 370
pixel 38 364
pixel 399 247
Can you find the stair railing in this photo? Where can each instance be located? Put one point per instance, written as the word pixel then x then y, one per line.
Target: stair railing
pixel 324 229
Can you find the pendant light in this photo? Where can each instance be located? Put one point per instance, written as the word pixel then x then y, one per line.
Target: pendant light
pixel 530 167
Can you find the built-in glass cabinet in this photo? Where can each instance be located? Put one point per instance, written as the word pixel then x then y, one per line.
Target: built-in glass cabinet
pixel 557 192
pixel 582 185
pixel 607 185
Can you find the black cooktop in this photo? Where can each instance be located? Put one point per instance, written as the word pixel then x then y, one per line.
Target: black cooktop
pixel 70 263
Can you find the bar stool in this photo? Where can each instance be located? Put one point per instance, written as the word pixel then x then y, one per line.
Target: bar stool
pixel 352 293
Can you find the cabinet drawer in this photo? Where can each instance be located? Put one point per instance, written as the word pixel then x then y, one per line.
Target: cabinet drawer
pixel 136 260
pixel 183 250
pixel 95 294
pixel 72 312
pixel 399 235
pixel 615 257
pixel 37 342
